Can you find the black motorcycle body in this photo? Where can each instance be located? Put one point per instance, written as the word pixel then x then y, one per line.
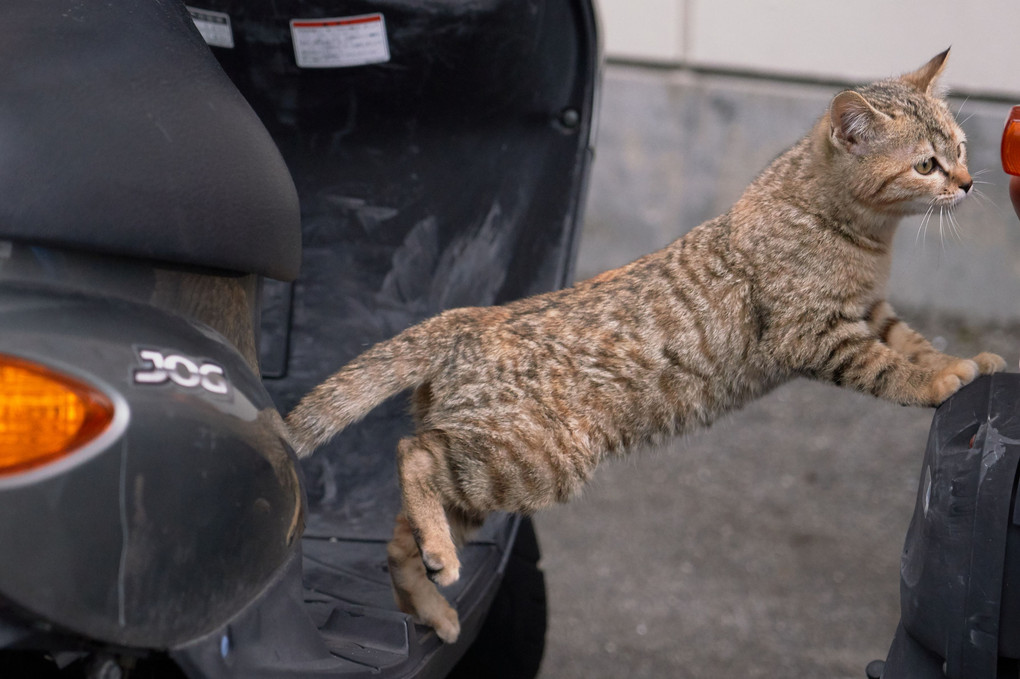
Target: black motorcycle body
pixel 150 248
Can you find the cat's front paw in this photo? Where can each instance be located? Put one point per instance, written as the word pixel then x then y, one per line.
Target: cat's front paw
pixel 949 379
pixel 988 363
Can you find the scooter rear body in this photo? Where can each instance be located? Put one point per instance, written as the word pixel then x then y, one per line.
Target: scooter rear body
pixel 178 513
pixel 122 202
pixel 149 217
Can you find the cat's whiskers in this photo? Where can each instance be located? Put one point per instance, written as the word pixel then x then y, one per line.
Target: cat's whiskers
pixel 962 104
pixel 922 227
pixel 974 177
pixel 986 200
pixel 951 224
pixel 955 228
pixel 942 233
pixel 976 192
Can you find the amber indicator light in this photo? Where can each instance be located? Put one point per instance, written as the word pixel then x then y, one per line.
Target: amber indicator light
pixel 1011 143
pixel 45 415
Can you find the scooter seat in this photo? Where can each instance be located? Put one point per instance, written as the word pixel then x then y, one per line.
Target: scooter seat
pixel 121 135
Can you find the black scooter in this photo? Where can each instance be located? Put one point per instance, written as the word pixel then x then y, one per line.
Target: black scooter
pixel 153 321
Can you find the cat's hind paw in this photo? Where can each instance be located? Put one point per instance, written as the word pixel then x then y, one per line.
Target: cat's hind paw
pixel 444 570
pixel 432 609
pixel 988 363
pixel 447 625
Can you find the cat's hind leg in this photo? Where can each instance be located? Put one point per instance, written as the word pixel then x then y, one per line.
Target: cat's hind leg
pixel 421 469
pixel 415 594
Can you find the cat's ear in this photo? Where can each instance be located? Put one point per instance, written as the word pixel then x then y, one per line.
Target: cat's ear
pixel 853 122
pixel 924 78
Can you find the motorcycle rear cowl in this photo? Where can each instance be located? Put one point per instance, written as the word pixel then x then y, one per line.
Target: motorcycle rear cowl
pixel 134 177
pixel 180 513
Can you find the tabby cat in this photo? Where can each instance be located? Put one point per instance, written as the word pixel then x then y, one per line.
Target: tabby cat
pixel 516 405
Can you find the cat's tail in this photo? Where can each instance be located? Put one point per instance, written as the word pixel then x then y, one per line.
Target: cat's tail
pixel 386 369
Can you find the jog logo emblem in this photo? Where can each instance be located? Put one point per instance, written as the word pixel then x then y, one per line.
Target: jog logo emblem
pixel 159 368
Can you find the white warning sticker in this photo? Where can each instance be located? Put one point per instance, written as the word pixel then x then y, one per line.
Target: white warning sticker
pixel 214 27
pixel 340 41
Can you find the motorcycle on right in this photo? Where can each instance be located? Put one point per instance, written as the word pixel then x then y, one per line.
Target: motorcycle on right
pixel 960 567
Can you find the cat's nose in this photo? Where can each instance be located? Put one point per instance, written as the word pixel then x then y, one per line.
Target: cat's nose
pixel 963 179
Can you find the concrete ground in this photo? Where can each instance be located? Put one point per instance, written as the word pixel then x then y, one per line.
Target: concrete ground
pixel 768 545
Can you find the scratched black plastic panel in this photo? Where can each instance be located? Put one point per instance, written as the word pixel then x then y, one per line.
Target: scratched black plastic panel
pixel 448 176
pixel 908 659
pixel 959 558
pixel 444 177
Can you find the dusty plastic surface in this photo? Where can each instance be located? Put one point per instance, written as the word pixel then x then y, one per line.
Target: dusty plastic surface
pixel 451 174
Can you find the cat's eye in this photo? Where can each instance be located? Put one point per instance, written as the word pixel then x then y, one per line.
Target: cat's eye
pixel 961 150
pixel 926 166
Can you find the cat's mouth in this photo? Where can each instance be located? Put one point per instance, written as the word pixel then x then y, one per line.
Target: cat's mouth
pixel 943 201
pixel 950 200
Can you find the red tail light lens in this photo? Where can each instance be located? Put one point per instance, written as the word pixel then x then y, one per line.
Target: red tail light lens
pixel 45 415
pixel 1011 143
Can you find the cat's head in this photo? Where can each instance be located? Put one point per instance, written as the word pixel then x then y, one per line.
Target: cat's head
pixel 897 145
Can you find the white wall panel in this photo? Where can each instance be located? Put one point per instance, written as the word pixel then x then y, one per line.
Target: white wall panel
pixel 854 40
pixel 643 30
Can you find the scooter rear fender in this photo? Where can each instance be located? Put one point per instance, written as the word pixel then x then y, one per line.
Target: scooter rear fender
pixel 180 513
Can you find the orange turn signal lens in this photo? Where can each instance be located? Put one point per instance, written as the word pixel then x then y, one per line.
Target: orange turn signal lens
pixel 1011 143
pixel 45 415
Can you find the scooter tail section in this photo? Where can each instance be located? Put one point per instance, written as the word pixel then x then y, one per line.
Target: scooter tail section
pixel 174 516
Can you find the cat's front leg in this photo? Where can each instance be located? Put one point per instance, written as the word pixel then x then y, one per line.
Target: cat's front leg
pixel 900 337
pixel 852 355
